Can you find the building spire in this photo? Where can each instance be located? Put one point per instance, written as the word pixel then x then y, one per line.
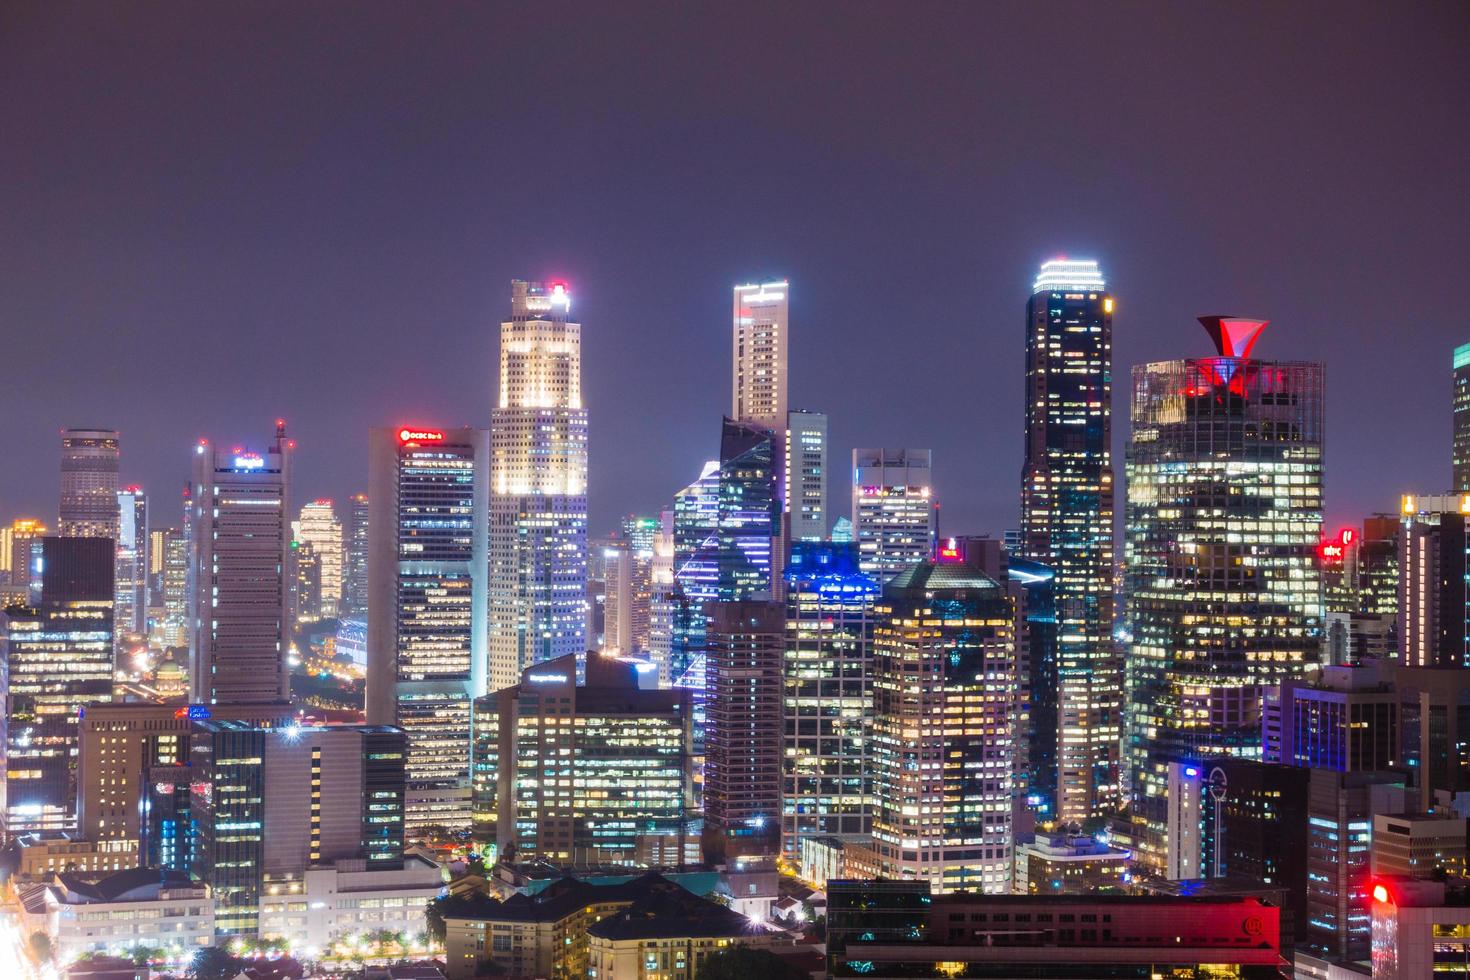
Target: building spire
pixel 1234 336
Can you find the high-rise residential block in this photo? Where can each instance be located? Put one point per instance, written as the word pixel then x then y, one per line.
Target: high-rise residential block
pixel 130 616
pixel 759 364
pixel 239 558
pixel 743 741
pixel 1224 521
pixel 1433 614
pixel 827 703
pixel 89 460
pixel 806 475
pixel 538 496
pixel 1067 520
pixel 319 527
pixel 57 659
pixel 355 563
pixel 585 774
pixel 1460 455
pixel 427 615
pixel 944 676
pixel 894 518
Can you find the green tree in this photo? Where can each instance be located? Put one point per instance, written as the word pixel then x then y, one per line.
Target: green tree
pixel 215 963
pixel 743 963
pixel 40 946
pixel 434 916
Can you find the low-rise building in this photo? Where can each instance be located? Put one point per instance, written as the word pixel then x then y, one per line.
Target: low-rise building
pixel 666 936
pixel 1422 845
pixel 137 907
pixel 321 904
pixel 40 856
pixel 1068 864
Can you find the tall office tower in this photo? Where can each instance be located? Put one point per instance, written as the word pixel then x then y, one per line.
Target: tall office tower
pixel 661 600
pixel 944 673
pixel 88 483
pixel 893 515
pixel 25 539
pixel 1067 520
pixel 743 734
pixel 747 554
pixel 1460 457
pixel 826 781
pixel 1031 587
pixel 130 615
pixel 695 531
pixel 173 629
pixel 1224 520
pixel 806 475
pixel 306 583
pixel 240 539
pixel 57 659
pixel 538 498
pixel 427 612
pixel 355 564
pixel 759 366
pixel 319 527
pixel 628 573
pixel 623 792
pixel 1434 619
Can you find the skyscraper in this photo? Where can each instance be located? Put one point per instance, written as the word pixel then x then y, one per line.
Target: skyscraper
pixel 748 543
pixel 25 538
pixel 893 515
pixel 538 502
pixel 743 738
pixel 1434 596
pixel 759 367
pixel 1460 455
pixel 319 527
pixel 806 475
pixel 1067 520
pixel 240 537
pixel 944 674
pixel 427 612
pixel 355 567
pixel 827 704
pixel 1224 520
pixel 88 483
pixel 131 580
pixel 57 659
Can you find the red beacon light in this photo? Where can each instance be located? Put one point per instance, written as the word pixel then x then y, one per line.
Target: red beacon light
pixel 1380 893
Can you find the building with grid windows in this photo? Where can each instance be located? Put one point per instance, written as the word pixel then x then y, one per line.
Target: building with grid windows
pixel 1067 522
pixel 944 678
pixel 1223 525
pixel 538 493
pixel 89 460
pixel 427 616
pixel 894 520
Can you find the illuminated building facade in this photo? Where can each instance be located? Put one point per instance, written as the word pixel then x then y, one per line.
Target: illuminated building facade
pixel 893 511
pixel 747 555
pixel 1067 521
pixel 1461 452
pixel 806 475
pixel 1224 522
pixel 240 567
pixel 88 483
pixel 171 627
pixel 759 364
pixel 597 773
pixel 538 498
pixel 743 739
pixel 1030 585
pixel 694 570
pixel 944 677
pixel 427 616
pixel 827 783
pixel 355 561
pixel 319 527
pixel 57 659
pixel 1434 597
pixel 130 614
pixel 25 538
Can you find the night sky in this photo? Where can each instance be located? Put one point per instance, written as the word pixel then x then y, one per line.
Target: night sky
pixel 211 216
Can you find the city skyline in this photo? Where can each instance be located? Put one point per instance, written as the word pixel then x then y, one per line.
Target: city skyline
pixel 352 308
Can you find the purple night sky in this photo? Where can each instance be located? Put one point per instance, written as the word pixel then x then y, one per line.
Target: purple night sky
pixel 211 216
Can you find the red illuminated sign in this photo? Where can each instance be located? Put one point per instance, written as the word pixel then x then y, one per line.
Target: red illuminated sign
pixel 949 551
pixel 1333 550
pixel 419 435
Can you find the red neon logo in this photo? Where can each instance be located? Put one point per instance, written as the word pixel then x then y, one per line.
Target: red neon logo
pixel 1333 550
pixel 949 551
pixel 420 435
